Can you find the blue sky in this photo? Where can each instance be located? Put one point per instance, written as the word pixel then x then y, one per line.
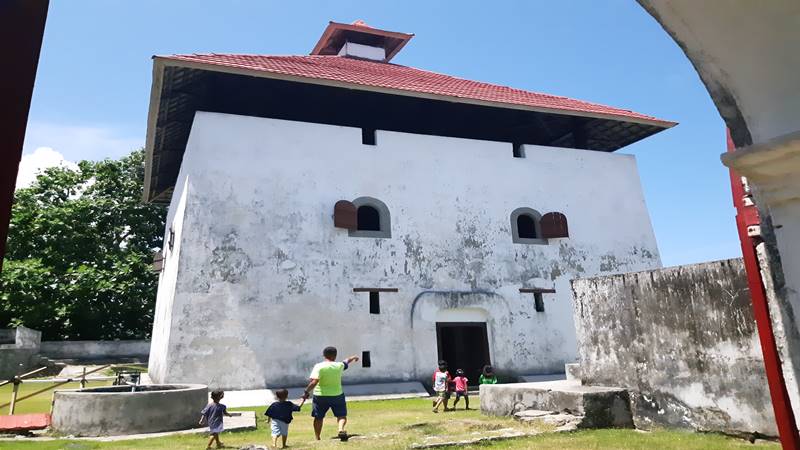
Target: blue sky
pixel 93 84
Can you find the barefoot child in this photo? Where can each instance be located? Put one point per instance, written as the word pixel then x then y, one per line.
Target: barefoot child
pixel 462 388
pixel 441 385
pixel 280 416
pixel 212 415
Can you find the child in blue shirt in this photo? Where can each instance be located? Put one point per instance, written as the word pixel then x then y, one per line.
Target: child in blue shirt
pixel 212 415
pixel 280 416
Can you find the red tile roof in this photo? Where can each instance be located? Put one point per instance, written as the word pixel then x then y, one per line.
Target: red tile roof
pixel 401 78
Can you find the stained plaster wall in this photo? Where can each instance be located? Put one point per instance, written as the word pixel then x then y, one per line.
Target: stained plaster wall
pixel 683 340
pixel 263 281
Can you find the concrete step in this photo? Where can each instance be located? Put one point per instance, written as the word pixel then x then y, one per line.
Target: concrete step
pixel 600 406
pixel 561 421
pixel 573 371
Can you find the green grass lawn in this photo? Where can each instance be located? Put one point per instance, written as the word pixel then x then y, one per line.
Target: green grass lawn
pixel 38 403
pixel 395 424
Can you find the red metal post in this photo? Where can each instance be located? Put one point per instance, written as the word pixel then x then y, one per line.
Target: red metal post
pixel 21 31
pixel 747 216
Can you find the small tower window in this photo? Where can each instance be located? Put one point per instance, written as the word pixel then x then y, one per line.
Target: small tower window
pixel 526 227
pixel 538 298
pixel 518 149
pixel 366 359
pixel 368 218
pixel 372 219
pixel 368 136
pixel 538 302
pixel 374 302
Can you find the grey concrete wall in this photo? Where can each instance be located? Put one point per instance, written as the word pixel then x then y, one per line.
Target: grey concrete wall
pixel 115 410
pixel 683 340
pixel 28 338
pixel 7 336
pixel 94 349
pixel 20 356
pixel 15 361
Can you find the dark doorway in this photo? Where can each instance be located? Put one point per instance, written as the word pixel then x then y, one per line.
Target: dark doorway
pixel 464 345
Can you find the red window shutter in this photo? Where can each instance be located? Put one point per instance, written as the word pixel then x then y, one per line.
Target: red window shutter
pixel 554 225
pixel 345 215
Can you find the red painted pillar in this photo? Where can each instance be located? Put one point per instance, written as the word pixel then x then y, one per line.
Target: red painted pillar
pixel 21 31
pixel 747 216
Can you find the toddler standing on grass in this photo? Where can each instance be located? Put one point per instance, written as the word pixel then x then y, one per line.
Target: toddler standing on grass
pixel 280 416
pixel 462 388
pixel 212 415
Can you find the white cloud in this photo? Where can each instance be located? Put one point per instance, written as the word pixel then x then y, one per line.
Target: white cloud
pixel 33 163
pixel 79 142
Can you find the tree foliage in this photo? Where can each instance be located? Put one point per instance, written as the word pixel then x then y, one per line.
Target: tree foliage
pixel 80 250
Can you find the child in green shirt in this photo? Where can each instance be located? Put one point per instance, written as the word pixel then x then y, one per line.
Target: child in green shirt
pixel 488 376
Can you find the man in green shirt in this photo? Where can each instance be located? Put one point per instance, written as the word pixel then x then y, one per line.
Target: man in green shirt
pixel 326 383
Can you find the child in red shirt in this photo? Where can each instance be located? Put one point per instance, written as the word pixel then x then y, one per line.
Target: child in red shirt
pixel 462 388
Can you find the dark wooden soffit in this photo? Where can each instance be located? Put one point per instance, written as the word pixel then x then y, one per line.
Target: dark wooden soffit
pixel 21 31
pixel 184 91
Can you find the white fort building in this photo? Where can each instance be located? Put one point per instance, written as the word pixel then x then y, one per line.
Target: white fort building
pixel 402 215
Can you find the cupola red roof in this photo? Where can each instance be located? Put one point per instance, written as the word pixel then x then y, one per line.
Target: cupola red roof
pixel 358 32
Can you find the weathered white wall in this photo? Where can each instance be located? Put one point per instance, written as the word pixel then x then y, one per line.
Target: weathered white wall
pixel 264 281
pixel 683 341
pixel 162 320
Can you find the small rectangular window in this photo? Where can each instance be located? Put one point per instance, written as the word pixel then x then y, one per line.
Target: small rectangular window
pixel 374 302
pixel 519 150
pixel 365 360
pixel 368 136
pixel 538 302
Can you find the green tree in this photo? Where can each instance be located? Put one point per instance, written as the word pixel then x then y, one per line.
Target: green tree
pixel 80 250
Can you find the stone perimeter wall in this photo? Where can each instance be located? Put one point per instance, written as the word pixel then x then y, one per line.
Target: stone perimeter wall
pixel 21 355
pixel 94 349
pixel 683 341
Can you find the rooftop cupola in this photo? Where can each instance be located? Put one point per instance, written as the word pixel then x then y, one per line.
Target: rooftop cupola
pixel 359 40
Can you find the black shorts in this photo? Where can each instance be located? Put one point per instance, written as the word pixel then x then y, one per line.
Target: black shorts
pixel 462 394
pixel 321 404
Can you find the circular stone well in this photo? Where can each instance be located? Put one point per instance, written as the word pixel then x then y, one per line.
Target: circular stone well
pixel 121 410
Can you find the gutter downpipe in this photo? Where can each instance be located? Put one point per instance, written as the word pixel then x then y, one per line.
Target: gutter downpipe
pixel 747 216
